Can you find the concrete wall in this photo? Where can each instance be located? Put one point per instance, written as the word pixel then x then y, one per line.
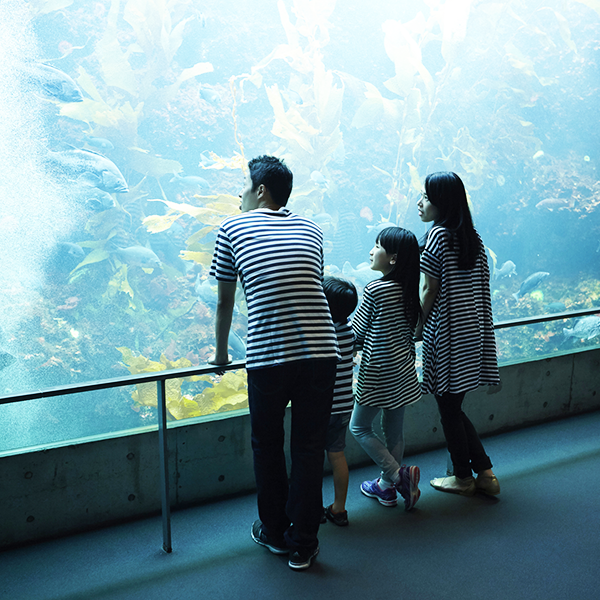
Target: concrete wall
pixel 63 489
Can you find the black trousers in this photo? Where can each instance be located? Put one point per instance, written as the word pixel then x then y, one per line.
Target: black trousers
pixel 465 447
pixel 291 509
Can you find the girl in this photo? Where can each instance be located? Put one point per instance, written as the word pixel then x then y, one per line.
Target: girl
pixel 384 326
pixel 459 349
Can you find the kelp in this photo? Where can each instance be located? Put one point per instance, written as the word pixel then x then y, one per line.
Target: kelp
pixel 220 394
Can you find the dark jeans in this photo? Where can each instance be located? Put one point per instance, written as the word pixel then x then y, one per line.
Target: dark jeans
pixel 464 445
pixel 292 508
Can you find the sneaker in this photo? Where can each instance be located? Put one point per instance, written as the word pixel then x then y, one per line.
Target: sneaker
pixel 408 486
pixel 302 559
pixel 454 485
pixel 340 519
pixel 487 484
pixel 373 490
pixel 260 537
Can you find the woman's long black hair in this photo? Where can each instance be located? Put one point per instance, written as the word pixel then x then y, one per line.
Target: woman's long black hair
pixel 447 193
pixel 406 272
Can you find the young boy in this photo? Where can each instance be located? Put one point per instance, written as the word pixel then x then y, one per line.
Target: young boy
pixel 342 299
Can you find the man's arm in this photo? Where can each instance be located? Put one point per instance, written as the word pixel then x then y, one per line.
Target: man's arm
pixel 225 304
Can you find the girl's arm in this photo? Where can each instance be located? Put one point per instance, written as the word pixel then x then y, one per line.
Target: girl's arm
pixel 429 292
pixel 362 319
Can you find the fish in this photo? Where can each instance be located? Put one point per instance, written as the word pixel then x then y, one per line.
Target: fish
pixel 50 82
pixel 94 199
pixel 98 142
pixel 291 96
pixel 67 248
pixel 552 203
pixel 191 182
pixel 362 275
pixel 6 360
pixel 207 294
pixel 366 213
pixel 508 269
pixel 379 227
pixel 530 283
pixel 206 161
pixel 209 95
pixel 586 328
pixel 138 256
pixel 90 168
pixel 319 179
pixel 236 345
pixel 64 257
pixel 321 218
pixel 555 307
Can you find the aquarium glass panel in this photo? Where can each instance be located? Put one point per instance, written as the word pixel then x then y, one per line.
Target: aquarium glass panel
pixel 126 126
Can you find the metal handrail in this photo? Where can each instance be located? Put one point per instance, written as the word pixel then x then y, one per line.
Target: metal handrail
pixel 160 377
pixel 544 318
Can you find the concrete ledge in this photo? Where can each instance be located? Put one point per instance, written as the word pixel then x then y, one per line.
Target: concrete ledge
pixel 61 490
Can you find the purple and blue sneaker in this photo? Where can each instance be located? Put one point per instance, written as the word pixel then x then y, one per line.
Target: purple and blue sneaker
pixel 372 489
pixel 408 486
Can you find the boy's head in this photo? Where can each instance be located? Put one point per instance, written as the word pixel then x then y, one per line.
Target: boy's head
pixel 274 174
pixel 341 296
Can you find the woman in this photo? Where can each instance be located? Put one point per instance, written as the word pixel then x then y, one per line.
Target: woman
pixel 459 349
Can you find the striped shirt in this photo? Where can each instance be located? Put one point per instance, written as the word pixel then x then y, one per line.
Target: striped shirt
pixel 278 257
pixel 459 347
pixel 343 398
pixel 387 377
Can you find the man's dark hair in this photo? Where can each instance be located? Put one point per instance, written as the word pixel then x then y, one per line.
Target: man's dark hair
pixel 274 174
pixel 341 296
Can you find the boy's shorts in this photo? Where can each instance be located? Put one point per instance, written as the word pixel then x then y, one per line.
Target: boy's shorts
pixel 336 434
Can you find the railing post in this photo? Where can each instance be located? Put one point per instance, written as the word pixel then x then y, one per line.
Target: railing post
pixel 164 463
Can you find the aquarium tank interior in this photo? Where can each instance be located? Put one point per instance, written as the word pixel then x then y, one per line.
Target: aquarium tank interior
pixel 126 127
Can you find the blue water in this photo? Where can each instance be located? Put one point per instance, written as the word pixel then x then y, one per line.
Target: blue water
pixel 362 104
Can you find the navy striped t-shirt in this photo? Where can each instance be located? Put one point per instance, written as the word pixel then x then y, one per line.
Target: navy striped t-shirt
pixel 343 398
pixel 278 257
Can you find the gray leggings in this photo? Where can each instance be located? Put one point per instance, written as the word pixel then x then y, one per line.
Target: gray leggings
pixel 388 456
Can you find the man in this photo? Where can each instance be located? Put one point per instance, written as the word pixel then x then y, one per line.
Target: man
pixel 291 353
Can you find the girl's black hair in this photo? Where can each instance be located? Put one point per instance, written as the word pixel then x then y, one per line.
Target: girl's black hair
pixel 405 271
pixel 447 193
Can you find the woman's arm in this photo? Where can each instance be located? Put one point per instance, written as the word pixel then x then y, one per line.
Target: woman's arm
pixel 429 292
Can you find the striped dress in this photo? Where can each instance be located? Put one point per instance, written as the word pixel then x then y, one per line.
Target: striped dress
pixel 459 347
pixel 387 377
pixel 278 257
pixel 343 398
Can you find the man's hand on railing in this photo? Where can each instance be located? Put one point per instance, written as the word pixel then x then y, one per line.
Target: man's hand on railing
pixel 219 360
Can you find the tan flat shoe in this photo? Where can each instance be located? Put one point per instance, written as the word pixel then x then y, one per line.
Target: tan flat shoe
pixel 454 485
pixel 487 484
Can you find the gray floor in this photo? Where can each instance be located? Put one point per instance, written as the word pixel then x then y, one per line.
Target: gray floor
pixel 539 539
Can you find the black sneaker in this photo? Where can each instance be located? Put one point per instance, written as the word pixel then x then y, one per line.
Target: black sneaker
pixel 302 559
pixel 260 537
pixel 340 519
